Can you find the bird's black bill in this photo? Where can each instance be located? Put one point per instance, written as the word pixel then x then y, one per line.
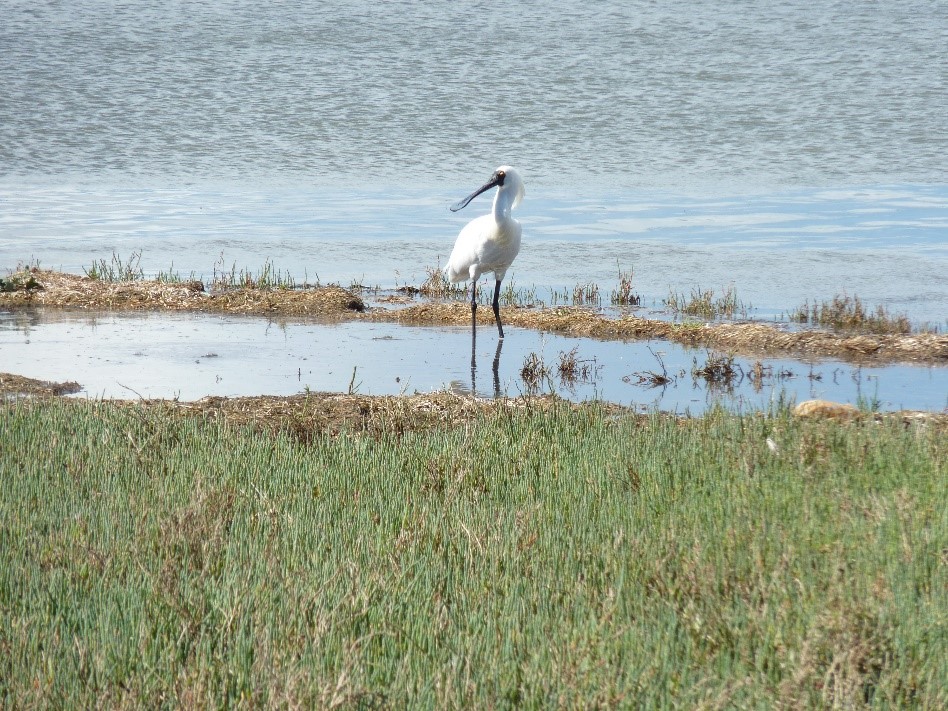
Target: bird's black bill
pixel 494 181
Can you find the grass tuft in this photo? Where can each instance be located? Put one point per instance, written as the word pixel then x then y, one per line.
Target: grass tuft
pixel 845 313
pixel 717 369
pixel 21 280
pixel 534 371
pixel 623 294
pixel 438 286
pixel 267 277
pixel 572 369
pixel 116 270
pixel 173 277
pixel 703 303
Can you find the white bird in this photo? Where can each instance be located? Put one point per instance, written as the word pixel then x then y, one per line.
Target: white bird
pixel 491 242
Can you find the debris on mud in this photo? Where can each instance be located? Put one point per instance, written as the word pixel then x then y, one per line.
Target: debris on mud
pixel 59 290
pixel 16 385
pixel 753 339
pixel 69 291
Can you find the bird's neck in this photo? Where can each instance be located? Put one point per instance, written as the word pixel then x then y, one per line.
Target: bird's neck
pixel 503 204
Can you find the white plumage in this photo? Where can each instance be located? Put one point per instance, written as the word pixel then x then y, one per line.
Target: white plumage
pixel 491 242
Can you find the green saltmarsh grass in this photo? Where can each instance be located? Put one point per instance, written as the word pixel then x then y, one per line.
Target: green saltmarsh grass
pixel 535 558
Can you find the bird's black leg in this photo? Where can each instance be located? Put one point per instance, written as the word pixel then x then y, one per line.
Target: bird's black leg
pixel 473 303
pixel 500 328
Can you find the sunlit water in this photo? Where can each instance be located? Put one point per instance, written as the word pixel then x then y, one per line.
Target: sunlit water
pixel 676 94
pixel 191 356
pixel 792 151
pixel 886 246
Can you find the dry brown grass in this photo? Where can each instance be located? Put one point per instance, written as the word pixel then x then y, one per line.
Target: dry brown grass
pixel 752 339
pixel 437 285
pixel 58 290
pixel 309 414
pixel 14 385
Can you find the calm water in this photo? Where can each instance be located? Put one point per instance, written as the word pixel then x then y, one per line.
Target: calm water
pixel 792 150
pixel 190 356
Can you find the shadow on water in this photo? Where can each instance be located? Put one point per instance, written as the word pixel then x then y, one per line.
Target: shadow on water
pixel 189 356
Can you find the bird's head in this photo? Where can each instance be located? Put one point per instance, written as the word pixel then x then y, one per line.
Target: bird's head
pixel 506 179
pixel 512 182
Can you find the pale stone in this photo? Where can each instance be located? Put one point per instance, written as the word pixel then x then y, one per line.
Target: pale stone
pixel 825 408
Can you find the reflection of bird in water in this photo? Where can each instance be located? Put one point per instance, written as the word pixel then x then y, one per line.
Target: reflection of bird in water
pixel 491 242
pixel 495 365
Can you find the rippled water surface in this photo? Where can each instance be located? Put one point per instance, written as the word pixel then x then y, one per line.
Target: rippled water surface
pixel 675 93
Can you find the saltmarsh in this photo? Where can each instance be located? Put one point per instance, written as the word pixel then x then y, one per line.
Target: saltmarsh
pixel 535 556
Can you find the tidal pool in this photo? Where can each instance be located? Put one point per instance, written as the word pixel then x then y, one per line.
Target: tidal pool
pixel 190 356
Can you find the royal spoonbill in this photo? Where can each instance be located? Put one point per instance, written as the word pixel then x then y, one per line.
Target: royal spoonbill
pixel 489 243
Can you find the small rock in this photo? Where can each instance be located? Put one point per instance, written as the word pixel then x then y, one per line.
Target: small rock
pixel 826 409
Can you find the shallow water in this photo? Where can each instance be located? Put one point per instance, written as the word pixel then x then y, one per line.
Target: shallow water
pixel 885 245
pixel 191 356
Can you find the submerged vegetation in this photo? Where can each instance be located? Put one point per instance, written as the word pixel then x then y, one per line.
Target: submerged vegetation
pixel 527 555
pixel 570 369
pixel 719 371
pixel 848 313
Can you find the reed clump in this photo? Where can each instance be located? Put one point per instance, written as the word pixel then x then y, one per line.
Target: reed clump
pixel 759 561
pixel 848 313
pixel 624 294
pixel 438 286
pixel 268 277
pixel 534 371
pixel 586 294
pixel 116 270
pixel 704 303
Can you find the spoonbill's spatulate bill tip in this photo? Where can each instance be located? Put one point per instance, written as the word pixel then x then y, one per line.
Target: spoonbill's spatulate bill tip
pixel 491 242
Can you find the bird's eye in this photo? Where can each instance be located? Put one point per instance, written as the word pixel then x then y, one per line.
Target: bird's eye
pixel 501 174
